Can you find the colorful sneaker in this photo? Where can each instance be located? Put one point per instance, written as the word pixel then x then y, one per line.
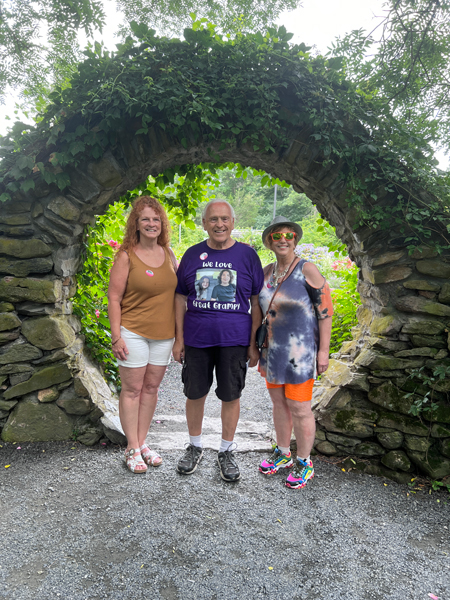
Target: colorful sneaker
pixel 190 459
pixel 300 474
pixel 276 461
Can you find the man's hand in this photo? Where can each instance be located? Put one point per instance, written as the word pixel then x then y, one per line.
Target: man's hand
pixel 322 362
pixel 253 356
pixel 178 351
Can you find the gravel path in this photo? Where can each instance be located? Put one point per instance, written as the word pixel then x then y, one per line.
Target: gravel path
pixel 255 401
pixel 75 524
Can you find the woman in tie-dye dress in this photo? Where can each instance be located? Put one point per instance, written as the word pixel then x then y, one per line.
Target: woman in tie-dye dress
pixel 298 342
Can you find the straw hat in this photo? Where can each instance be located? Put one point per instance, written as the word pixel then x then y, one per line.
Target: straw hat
pixel 281 221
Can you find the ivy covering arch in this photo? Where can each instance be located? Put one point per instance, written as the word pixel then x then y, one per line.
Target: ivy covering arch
pixel 164 107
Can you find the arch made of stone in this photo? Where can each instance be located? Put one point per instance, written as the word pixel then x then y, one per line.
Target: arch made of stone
pixel 50 386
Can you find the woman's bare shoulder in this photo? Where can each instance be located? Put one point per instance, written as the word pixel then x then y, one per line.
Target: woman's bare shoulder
pixel 313 275
pixel 122 258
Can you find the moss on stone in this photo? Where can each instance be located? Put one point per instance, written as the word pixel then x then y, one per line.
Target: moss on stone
pixel 433 463
pixel 402 423
pixel 48 333
pixel 9 320
pixel 31 421
pixel 40 380
pixel 390 439
pixel 33 248
pixel 389 396
pixel 396 459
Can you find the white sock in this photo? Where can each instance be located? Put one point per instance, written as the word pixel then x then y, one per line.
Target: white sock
pixel 305 459
pixel 224 445
pixel 196 440
pixel 284 450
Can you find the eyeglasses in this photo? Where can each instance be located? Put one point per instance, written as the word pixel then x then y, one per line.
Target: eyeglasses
pixel 289 235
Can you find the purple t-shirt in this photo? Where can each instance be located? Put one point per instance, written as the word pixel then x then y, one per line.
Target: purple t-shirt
pixel 218 285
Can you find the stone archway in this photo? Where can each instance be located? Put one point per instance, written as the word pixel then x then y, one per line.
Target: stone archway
pixel 47 378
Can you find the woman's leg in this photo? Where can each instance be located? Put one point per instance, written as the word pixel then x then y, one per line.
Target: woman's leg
pixel 129 402
pixel 282 418
pixel 148 399
pixel 304 426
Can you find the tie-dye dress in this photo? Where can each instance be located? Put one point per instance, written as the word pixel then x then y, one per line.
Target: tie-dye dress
pixel 293 331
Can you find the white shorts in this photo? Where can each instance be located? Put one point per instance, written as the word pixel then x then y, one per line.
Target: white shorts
pixel 143 351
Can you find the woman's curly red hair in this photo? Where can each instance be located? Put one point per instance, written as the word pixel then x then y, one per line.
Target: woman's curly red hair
pixel 131 237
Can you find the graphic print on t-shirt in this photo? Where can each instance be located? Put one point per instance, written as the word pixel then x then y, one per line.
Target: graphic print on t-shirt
pixel 216 285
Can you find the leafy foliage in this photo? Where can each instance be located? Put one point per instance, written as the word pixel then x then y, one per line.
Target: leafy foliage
pixel 38 41
pixel 225 93
pixel 345 302
pixel 427 380
pixel 405 61
pixel 251 193
pixel 90 302
pixel 172 16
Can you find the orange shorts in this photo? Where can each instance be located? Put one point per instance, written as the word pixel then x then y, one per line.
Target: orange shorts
pixel 300 392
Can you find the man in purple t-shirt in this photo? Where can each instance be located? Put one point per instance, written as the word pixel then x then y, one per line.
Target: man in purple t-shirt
pixel 217 314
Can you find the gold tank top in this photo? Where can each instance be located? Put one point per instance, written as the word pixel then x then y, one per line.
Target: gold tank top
pixel 148 305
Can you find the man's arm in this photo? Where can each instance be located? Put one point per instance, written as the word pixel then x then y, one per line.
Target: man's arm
pixel 253 353
pixel 180 311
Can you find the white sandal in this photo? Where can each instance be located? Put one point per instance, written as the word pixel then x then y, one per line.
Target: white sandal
pixel 133 461
pixel 150 457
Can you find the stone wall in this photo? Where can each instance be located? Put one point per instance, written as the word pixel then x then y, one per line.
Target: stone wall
pixel 363 405
pixel 49 388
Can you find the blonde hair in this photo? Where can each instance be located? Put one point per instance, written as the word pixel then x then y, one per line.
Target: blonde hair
pixel 131 237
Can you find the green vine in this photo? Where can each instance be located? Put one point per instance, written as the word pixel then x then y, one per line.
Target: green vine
pixel 427 382
pixel 221 92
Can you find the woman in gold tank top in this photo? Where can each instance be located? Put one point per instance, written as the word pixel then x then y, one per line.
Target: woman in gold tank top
pixel 141 312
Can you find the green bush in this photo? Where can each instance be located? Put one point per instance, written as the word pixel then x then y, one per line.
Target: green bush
pixel 90 302
pixel 345 301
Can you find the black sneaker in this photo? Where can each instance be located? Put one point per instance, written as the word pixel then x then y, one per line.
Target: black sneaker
pixel 229 471
pixel 189 461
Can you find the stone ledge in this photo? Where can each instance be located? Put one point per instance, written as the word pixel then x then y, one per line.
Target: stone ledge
pixel 33 248
pixel 43 291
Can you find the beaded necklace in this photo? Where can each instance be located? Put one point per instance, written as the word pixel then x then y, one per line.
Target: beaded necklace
pixel 274 280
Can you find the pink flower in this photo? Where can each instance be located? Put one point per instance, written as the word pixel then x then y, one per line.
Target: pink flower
pixel 341 264
pixel 97 313
pixel 113 244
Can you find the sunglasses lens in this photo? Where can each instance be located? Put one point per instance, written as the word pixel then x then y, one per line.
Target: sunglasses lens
pixel 287 236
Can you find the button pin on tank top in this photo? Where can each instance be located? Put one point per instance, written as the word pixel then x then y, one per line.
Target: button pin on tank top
pixel 149 273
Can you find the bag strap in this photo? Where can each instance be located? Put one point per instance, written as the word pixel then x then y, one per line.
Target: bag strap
pixel 291 268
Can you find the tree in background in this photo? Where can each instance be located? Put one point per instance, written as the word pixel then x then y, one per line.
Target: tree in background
pixel 253 202
pixel 38 42
pixel 405 62
pixel 39 45
pixel 170 17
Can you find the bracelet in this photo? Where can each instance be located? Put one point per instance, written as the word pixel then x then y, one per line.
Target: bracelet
pixel 113 343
